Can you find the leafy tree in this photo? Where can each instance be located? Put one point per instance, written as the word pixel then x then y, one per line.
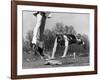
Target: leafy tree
pixel 71 30
pixel 66 28
pixel 58 28
pixel 50 35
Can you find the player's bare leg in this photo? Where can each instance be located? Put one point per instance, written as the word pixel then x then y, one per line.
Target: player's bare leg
pixel 66 47
pixel 54 49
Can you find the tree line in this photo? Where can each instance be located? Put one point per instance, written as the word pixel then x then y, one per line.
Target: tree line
pixel 50 35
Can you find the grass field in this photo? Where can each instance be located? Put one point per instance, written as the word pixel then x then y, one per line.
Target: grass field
pixel 34 61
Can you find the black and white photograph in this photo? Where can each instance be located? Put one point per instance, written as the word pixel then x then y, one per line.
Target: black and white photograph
pixel 55 39
pixel 50 39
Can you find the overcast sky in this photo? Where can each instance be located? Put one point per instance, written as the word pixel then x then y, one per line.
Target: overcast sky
pixel 79 21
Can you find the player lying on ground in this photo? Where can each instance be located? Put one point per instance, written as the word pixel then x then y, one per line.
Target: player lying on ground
pixel 65 40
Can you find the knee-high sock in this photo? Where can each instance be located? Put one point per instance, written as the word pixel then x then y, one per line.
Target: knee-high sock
pixel 54 48
pixel 66 46
pixel 36 31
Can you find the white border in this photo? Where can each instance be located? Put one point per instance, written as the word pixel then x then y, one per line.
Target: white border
pixel 21 71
